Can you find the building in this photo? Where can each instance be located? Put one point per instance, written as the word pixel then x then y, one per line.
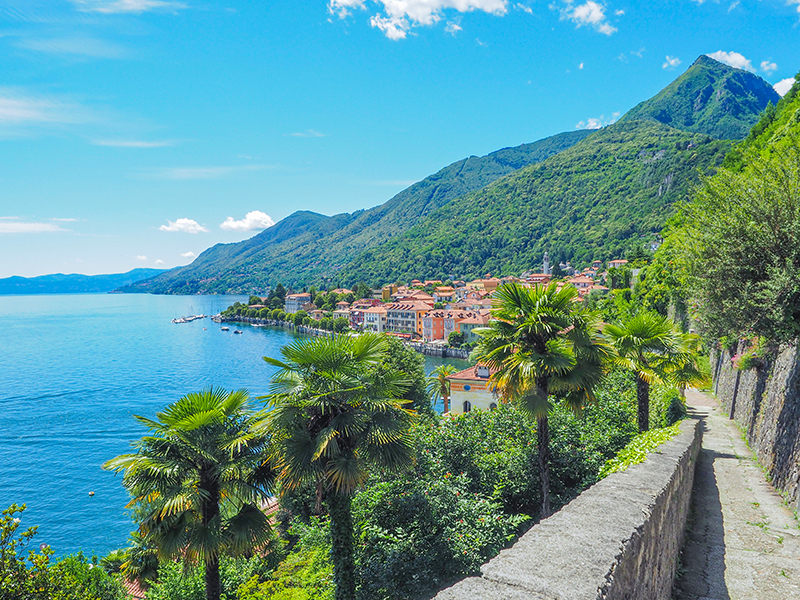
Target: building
pixel 473 322
pixel 444 294
pixel 375 319
pixel 616 264
pixel 546 264
pixel 406 316
pixel 470 390
pixel 295 302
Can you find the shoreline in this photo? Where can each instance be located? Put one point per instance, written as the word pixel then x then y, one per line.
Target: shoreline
pixel 423 348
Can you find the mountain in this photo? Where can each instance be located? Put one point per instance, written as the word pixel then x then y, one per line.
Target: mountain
pixel 608 194
pixel 73 283
pixel 596 200
pixel 307 247
pixel 710 97
pixel 579 195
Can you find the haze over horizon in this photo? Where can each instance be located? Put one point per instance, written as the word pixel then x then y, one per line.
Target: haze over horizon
pixel 138 133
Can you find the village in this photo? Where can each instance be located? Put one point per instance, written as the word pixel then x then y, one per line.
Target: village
pixel 429 311
pixel 433 313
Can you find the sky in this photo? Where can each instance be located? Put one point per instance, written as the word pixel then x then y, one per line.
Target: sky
pixel 138 133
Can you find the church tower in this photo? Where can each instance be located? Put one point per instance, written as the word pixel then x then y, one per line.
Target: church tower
pixel 546 264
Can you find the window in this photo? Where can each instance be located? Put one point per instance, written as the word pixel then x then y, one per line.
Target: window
pixel 467 406
pixel 467 387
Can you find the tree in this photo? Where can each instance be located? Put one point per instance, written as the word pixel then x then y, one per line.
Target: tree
pixel 745 259
pixel 542 343
pixel 455 339
pixel 200 476
pixel 439 384
pixel 334 412
pixel 650 345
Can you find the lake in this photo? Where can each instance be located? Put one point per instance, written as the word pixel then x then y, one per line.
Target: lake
pixel 73 371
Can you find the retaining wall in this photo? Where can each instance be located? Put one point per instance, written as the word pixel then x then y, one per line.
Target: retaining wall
pixel 765 403
pixel 620 539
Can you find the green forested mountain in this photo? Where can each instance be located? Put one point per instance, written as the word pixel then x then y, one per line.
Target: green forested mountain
pixel 711 98
pixel 593 201
pixel 578 195
pixel 607 194
pixel 306 247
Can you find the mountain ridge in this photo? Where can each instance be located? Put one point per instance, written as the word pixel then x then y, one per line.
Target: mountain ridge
pixel 306 247
pixel 73 283
pixel 708 100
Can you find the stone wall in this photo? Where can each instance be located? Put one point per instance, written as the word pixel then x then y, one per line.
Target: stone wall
pixel 765 403
pixel 620 539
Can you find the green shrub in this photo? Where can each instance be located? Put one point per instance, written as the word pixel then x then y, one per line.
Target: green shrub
pixel 636 451
pixel 666 406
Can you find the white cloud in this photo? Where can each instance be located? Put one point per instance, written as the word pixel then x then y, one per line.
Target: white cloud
pixel 453 28
pixel 77 46
pixel 15 225
pixel 141 257
pixel 185 225
pixel 671 62
pixel 133 143
pixel 126 6
pixel 21 109
pixel 591 14
pixel 524 8
pixel 597 122
pixel 734 59
pixel 308 133
pixel 397 17
pixel 619 12
pixel 784 85
pixel 768 67
pixel 189 254
pixel 580 66
pixel 204 172
pixel 252 220
pixel 159 261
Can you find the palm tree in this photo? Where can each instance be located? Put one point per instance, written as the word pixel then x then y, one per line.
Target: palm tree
pixel 199 476
pixel 541 342
pixel 335 412
pixel 650 345
pixel 439 384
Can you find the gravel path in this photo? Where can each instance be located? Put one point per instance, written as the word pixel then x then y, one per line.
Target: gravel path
pixel 742 542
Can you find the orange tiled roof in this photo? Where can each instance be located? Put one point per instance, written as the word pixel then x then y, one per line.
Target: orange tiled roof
pixel 471 374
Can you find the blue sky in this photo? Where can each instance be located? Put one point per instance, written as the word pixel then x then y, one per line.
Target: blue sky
pixel 137 133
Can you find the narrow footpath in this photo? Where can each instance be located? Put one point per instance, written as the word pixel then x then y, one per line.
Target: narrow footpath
pixel 742 542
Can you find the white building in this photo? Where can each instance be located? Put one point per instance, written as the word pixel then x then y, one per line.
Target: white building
pixel 295 302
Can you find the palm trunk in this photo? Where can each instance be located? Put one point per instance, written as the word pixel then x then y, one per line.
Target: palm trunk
pixel 210 510
pixel 643 403
pixel 446 400
pixel 543 451
pixel 213 587
pixel 344 567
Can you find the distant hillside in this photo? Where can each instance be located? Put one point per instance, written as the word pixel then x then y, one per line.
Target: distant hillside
pixel 306 247
pixel 711 98
pixel 579 195
pixel 607 194
pixel 73 283
pixel 596 200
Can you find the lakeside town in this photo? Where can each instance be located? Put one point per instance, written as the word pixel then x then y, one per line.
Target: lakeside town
pixel 431 316
pixel 431 311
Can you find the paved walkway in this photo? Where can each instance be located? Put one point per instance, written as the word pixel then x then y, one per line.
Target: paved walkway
pixel 742 542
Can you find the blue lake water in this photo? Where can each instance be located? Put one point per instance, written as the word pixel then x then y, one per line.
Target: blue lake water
pixel 73 371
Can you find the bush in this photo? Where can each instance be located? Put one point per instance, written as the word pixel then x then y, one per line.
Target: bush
pixel 666 406
pixel 176 583
pixel 27 575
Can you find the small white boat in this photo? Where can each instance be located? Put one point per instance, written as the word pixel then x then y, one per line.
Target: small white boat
pixel 224 328
pixel 236 331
